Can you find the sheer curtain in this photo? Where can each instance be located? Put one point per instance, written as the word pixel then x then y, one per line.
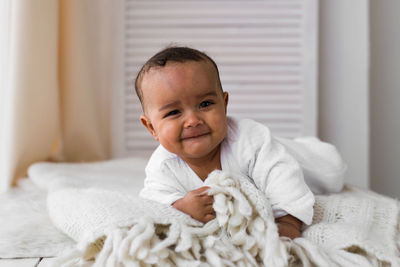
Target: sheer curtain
pixel 55 103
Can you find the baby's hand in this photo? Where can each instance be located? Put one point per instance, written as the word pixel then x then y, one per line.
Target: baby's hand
pixel 289 226
pixel 198 204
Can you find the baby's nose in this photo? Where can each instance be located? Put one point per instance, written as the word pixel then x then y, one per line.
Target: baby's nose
pixel 192 120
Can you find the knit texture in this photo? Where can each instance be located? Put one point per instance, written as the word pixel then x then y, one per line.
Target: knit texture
pixel 119 230
pixel 353 228
pixel 359 223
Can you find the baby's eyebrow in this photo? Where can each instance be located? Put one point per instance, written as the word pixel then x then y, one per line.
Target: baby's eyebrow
pixel 211 93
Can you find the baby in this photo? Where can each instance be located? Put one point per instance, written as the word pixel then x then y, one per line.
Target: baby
pixel 185 110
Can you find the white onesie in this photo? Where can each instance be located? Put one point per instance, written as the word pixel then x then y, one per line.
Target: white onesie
pixel 249 150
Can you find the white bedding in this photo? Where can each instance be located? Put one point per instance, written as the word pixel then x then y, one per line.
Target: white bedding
pixel 26 229
pixel 25 226
pixel 128 172
pixel 351 228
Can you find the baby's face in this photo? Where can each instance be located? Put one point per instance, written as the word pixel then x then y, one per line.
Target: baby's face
pixel 185 109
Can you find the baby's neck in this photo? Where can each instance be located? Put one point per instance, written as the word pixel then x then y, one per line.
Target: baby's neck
pixel 205 165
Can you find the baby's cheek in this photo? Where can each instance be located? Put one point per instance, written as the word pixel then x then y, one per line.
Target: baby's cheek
pixel 170 131
pixel 223 125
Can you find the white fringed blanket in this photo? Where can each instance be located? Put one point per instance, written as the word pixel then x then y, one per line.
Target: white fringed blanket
pixel 112 228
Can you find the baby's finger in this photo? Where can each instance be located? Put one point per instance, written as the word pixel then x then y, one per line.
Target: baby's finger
pixel 201 189
pixel 209 217
pixel 209 209
pixel 203 193
pixel 208 201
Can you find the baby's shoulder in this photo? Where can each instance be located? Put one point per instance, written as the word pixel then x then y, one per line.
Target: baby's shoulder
pixel 246 129
pixel 160 158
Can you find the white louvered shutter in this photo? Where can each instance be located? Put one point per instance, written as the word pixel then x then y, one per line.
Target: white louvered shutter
pixel 265 51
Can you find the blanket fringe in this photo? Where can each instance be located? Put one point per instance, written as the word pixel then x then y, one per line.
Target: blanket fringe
pixel 238 237
pixel 243 234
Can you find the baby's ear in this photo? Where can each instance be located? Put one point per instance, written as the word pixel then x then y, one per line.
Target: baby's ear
pixel 149 126
pixel 226 100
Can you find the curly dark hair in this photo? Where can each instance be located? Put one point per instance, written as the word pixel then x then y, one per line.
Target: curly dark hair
pixel 172 54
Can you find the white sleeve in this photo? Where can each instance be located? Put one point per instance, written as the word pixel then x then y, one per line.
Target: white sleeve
pixel 161 183
pixel 323 167
pixel 275 172
pixel 161 188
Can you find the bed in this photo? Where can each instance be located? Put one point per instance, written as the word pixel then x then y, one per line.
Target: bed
pixel 55 213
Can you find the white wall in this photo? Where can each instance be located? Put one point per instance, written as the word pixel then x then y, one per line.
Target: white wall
pixel 385 97
pixel 344 83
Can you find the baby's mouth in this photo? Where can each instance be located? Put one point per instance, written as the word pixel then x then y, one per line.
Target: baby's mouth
pixel 194 133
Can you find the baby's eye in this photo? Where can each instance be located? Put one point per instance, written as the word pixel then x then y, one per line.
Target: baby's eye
pixel 172 113
pixel 205 104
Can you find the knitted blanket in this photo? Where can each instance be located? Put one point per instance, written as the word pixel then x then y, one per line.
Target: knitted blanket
pixel 352 228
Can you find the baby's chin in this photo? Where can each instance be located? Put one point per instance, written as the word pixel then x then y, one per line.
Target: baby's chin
pixel 200 152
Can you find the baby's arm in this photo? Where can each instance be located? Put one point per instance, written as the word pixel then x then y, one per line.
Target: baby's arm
pixel 277 174
pixel 198 204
